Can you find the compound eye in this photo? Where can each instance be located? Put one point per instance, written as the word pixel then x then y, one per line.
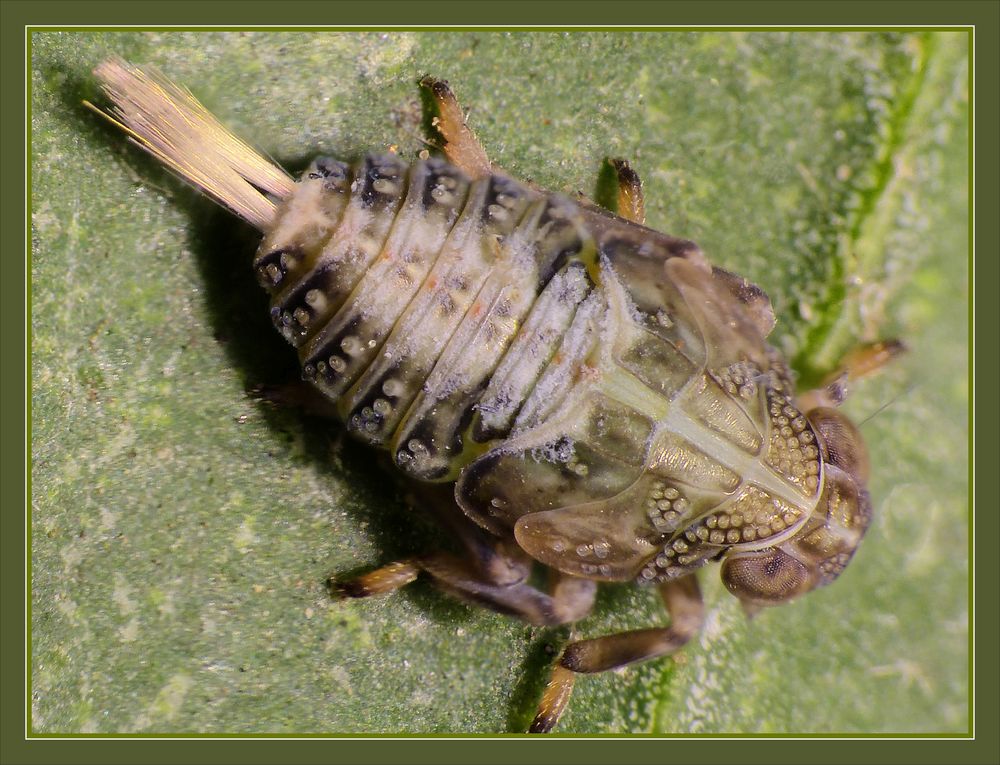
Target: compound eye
pixel 846 512
pixel 767 577
pixel 843 445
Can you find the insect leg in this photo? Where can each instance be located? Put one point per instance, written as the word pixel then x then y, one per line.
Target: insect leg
pixel 570 600
pixel 461 147
pixel 861 362
pixel 631 202
pixel 295 394
pixel 682 598
pixel 378 582
pixel 490 573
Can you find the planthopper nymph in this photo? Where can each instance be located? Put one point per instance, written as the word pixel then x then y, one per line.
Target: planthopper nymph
pixel 566 387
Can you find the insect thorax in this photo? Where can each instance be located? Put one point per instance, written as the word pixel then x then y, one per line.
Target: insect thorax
pixel 594 386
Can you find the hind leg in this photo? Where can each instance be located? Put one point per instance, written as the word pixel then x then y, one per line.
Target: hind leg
pixel 631 203
pixel 619 190
pixel 295 394
pixel 461 146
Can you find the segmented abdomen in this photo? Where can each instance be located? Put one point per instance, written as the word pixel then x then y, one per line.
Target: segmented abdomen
pixel 431 307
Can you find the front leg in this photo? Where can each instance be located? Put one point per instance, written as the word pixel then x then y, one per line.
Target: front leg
pixel 682 598
pixel 860 362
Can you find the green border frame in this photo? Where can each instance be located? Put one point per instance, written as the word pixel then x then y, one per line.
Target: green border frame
pixel 983 15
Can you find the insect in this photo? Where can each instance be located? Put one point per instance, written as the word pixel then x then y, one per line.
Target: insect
pixel 569 387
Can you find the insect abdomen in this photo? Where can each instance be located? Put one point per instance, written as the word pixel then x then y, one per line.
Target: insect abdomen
pixel 403 287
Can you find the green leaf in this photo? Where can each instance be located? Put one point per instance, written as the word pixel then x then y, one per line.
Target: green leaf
pixel 181 531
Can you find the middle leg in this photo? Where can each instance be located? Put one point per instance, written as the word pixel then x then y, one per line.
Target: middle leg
pixel 490 572
pixel 570 599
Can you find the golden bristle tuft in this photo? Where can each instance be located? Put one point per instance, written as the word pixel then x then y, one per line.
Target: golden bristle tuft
pixel 168 122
